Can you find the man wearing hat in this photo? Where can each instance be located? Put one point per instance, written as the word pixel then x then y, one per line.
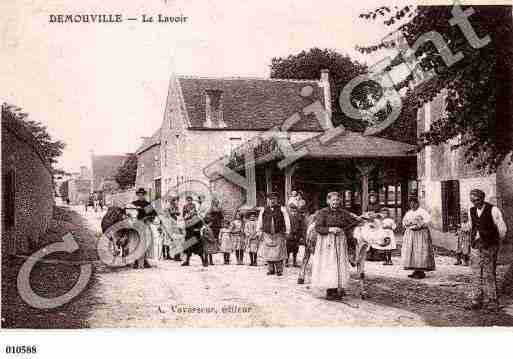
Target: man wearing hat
pixel 373 206
pixel 487 230
pixel 145 213
pixel 274 227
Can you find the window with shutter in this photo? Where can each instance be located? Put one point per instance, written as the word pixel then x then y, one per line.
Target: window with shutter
pixel 450 204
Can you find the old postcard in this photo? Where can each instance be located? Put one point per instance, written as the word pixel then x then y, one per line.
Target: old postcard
pixel 230 164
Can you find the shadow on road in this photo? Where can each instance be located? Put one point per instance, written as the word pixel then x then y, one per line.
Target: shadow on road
pixel 437 305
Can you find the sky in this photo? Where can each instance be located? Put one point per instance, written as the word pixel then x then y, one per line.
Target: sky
pixel 101 87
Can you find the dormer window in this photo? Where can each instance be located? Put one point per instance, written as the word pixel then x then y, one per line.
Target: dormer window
pixel 214 109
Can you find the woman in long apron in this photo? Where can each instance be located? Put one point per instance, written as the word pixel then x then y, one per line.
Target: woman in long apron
pixel 417 250
pixel 330 264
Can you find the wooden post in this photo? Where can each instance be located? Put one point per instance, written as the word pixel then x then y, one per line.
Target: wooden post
pixel 396 200
pixel 268 179
pixel 289 172
pixel 365 167
pixel 404 196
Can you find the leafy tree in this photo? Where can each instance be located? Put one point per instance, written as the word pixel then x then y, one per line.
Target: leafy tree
pixel 478 87
pixel 127 172
pixel 50 149
pixel 308 65
pixel 64 190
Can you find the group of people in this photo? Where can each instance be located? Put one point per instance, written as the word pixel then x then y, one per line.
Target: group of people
pixel 275 232
pixel 245 233
pixel 93 201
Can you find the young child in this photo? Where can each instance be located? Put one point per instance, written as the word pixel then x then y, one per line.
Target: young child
pixel 166 244
pixel 463 236
pixel 252 240
pixel 225 238
pixel 237 231
pixel 388 223
pixel 155 251
pixel 210 244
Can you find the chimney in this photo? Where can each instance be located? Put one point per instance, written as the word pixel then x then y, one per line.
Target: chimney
pixel 84 172
pixel 325 83
pixel 214 109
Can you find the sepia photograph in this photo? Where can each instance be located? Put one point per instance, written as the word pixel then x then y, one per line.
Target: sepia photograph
pixel 179 164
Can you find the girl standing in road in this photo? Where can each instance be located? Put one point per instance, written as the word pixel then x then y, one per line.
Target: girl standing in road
pixel 463 236
pixel 252 239
pixel 237 230
pixel 225 238
pixel 388 223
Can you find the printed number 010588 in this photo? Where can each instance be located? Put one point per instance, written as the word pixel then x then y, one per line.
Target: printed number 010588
pixel 20 349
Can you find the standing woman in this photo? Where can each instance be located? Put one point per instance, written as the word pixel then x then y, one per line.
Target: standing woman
pixel 330 264
pixel 273 227
pixel 172 240
pixel 214 218
pixel 417 252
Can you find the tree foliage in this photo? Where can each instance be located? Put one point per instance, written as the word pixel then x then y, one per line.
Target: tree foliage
pixel 307 65
pixel 127 172
pixel 50 149
pixel 478 87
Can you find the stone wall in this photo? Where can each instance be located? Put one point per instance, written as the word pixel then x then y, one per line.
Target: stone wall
pixel 440 163
pixel 28 208
pixel 230 196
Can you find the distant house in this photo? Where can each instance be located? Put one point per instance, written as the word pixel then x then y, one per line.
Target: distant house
pixel 208 121
pixel 149 166
pixel 104 167
pixel 79 186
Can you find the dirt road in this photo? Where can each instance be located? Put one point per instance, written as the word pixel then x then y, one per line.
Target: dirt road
pixel 169 295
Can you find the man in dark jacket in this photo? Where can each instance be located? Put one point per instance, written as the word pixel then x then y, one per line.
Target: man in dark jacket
pixel 488 229
pixel 193 224
pixel 297 231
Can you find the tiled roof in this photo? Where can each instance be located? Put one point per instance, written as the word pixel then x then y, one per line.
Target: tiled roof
pixel 251 104
pixel 105 167
pixel 355 144
pixel 347 145
pixel 149 142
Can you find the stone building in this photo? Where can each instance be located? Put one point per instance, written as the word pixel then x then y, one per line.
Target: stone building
pixel 149 166
pixel 79 186
pixel 27 189
pixel 445 180
pixel 209 121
